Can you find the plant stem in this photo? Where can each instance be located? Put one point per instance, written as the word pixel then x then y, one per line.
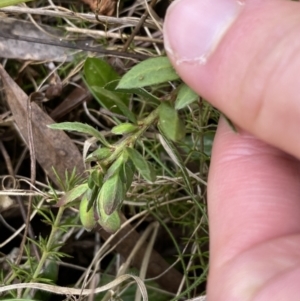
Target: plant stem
pixel 130 140
pixel 50 242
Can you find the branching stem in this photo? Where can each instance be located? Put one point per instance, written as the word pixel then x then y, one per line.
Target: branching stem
pixel 130 140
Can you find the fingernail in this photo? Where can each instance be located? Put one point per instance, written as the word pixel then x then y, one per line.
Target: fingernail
pixel 194 28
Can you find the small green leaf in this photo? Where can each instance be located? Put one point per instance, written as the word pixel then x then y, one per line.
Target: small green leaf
pixel 115 167
pixel 97 177
pixel 73 194
pixel 124 128
pixel 110 223
pixel 79 127
pixel 99 154
pixel 185 97
pixel 149 72
pixel 86 215
pixel 170 123
pixel 111 195
pixel 5 3
pixel 141 165
pixel 127 173
pixel 91 195
pixel 50 270
pixel 90 182
pixel 98 72
pixel 144 94
pixel 115 99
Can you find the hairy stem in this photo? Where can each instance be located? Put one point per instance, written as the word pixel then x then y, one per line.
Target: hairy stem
pixel 130 140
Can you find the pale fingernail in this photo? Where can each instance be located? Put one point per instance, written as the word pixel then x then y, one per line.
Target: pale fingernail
pixel 194 28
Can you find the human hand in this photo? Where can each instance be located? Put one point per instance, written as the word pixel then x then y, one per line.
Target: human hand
pixel 244 59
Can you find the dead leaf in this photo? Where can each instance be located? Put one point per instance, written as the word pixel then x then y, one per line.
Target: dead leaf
pixel 102 7
pixel 53 148
pixel 71 101
pixel 55 86
pixel 18 49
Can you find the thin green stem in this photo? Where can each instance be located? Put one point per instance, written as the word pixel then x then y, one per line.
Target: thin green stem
pixel 130 140
pixel 48 247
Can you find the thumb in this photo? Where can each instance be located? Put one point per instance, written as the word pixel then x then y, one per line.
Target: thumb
pixel 244 59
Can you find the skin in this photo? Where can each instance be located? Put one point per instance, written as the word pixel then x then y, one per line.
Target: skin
pixel 254 180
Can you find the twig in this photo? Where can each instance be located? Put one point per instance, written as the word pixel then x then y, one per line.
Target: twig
pixel 138 27
pixel 75 291
pixel 107 34
pixel 6 159
pixel 8 226
pixel 72 15
pixel 20 160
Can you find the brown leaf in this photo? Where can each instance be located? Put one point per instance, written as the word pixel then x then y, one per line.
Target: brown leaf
pixel 25 50
pixel 102 7
pixel 71 101
pixel 107 7
pixel 53 148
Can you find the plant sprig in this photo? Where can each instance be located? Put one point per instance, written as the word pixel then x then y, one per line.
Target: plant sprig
pixel 108 180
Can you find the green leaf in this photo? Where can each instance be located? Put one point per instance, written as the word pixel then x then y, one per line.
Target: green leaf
pixel 141 165
pixel 170 123
pixel 92 195
pixel 127 173
pixel 111 195
pixel 149 72
pixel 147 96
pixel 185 97
pixel 115 100
pixel 73 194
pixel 97 177
pixel 110 223
pixel 50 270
pixel 91 182
pixel 99 154
pixel 79 127
pixel 4 3
pixel 115 167
pixel 99 73
pixel 124 128
pixel 86 214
